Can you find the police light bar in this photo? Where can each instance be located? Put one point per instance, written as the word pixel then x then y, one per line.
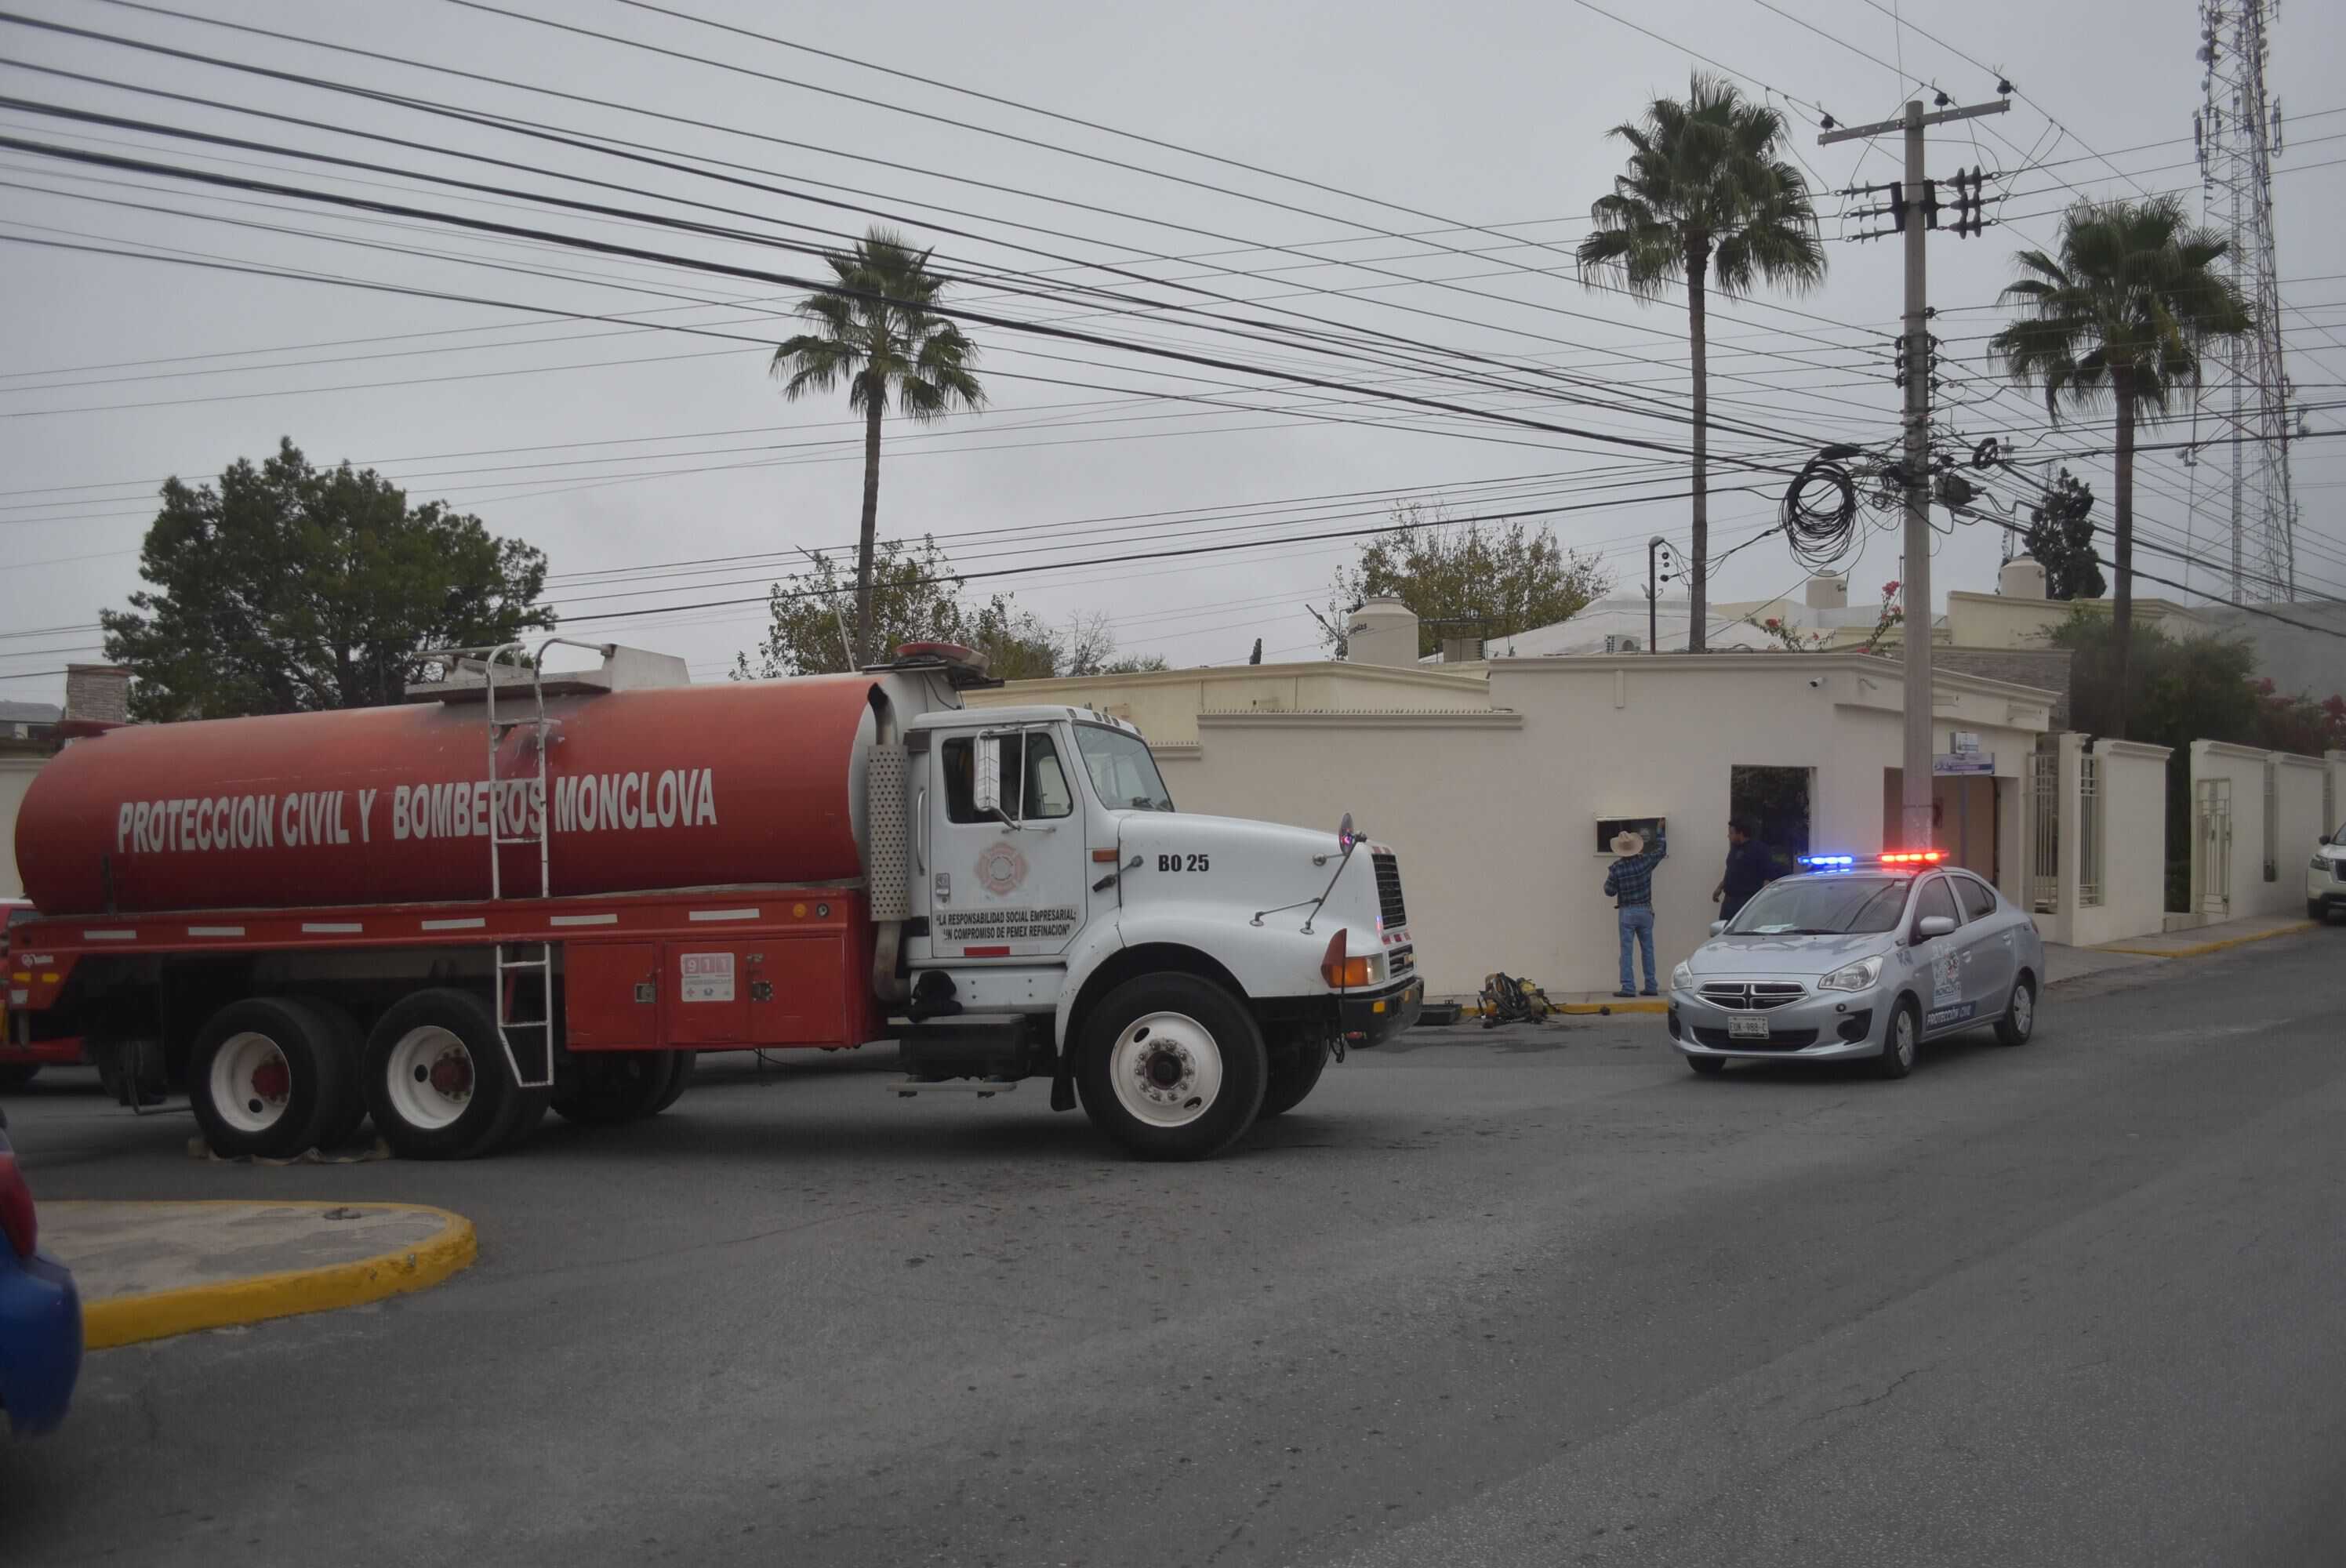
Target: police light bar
pixel 1888 857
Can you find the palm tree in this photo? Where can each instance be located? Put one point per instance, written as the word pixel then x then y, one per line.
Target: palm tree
pixel 1707 201
pixel 2122 313
pixel 877 333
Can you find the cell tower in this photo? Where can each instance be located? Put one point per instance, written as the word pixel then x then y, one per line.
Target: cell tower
pixel 2238 133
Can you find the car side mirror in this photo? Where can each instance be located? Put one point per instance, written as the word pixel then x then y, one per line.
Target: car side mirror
pixel 2325 838
pixel 1930 926
pixel 1717 926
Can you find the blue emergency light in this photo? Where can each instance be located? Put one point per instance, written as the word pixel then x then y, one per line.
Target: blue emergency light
pixel 1827 859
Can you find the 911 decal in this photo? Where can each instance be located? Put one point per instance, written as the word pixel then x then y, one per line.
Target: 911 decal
pixel 1184 862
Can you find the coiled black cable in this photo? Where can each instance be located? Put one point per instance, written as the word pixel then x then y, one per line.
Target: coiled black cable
pixel 1820 508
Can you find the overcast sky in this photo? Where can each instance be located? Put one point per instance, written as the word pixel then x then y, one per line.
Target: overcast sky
pixel 662 468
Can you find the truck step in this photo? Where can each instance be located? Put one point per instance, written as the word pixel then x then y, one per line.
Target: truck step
pixel 983 1088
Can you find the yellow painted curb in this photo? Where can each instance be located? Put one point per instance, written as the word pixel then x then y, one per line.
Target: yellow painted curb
pixel 160 1314
pixel 2204 948
pixel 1624 1004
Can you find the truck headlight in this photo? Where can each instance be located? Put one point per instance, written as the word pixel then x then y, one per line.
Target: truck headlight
pixel 1858 976
pixel 1682 978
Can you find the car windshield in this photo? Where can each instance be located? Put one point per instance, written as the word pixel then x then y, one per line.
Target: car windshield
pixel 1822 906
pixel 1123 772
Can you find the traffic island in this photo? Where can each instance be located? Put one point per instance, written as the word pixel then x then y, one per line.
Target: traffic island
pixel 151 1270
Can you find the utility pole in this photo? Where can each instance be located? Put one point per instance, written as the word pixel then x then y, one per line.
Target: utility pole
pixel 1917 191
pixel 1653 605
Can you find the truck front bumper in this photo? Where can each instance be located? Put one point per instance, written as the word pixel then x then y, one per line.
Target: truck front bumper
pixel 1372 1017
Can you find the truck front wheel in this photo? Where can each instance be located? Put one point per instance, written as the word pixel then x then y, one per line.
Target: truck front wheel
pixel 1171 1067
pixel 1295 1072
pixel 437 1081
pixel 267 1077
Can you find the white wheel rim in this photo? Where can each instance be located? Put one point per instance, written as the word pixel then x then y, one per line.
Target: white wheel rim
pixel 429 1077
pixel 1167 1069
pixel 252 1082
pixel 2023 1007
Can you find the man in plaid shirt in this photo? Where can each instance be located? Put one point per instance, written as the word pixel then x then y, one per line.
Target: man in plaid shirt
pixel 1630 885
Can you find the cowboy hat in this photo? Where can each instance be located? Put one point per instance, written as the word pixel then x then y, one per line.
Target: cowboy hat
pixel 1629 841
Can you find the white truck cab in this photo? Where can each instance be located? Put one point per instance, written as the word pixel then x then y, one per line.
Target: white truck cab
pixel 1183 976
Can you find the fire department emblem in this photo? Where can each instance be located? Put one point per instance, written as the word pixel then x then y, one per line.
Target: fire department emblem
pixel 1001 869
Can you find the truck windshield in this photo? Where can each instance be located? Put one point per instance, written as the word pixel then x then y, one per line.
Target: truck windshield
pixel 1122 770
pixel 1822 906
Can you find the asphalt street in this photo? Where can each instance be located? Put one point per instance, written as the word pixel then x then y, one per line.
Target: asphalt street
pixel 1530 1297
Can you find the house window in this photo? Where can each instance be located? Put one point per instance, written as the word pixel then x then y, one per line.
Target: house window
pixel 2089 832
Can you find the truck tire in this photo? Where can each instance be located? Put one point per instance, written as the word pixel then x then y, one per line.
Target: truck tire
pixel 1172 1067
pixel 16 1075
pixel 341 1121
pixel 437 1081
pixel 685 1061
pixel 1294 1073
pixel 266 1076
pixel 614 1086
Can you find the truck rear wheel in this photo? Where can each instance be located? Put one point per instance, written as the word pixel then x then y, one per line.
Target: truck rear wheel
pixel 342 1119
pixel 684 1061
pixel 267 1076
pixel 436 1080
pixel 614 1086
pixel 1294 1073
pixel 1172 1067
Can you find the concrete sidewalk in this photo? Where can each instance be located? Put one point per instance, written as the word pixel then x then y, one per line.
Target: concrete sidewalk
pixel 2061 963
pixel 149 1271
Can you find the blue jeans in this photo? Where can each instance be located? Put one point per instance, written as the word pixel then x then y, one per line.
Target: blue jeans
pixel 1637 923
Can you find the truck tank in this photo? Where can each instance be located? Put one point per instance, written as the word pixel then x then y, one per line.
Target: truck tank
pixel 674 786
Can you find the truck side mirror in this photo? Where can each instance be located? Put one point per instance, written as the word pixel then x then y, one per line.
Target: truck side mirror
pixel 985 785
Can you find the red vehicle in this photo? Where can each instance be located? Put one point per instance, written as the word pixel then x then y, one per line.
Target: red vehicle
pixel 19 1062
pixel 523 889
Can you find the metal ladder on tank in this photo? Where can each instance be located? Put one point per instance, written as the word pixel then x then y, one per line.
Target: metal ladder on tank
pixel 516 962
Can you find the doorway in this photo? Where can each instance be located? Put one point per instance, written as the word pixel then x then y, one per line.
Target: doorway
pixel 1775 802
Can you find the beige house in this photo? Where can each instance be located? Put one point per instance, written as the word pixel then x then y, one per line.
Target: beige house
pixel 1499 783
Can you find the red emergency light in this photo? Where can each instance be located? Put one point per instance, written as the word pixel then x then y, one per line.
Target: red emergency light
pixel 1913 856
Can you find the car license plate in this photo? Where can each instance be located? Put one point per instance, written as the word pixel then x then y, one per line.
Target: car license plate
pixel 1747 1028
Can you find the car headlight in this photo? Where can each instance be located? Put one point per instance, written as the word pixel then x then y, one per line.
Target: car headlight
pixel 1682 978
pixel 2318 863
pixel 1858 976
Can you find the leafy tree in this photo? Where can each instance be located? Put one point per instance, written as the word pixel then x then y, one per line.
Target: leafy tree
pixel 879 337
pixel 916 597
pixel 2122 313
pixel 2061 538
pixel 1707 200
pixel 288 588
pixel 1501 578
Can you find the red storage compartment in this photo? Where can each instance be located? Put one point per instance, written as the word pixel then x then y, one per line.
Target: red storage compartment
pixel 610 995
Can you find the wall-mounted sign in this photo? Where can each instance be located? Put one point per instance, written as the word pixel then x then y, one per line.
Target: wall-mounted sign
pixel 1962 762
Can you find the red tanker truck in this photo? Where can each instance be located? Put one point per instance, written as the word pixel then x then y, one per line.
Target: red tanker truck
pixel 525 888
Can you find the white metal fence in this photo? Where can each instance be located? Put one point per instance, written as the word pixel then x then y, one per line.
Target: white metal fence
pixel 2089 832
pixel 2044 815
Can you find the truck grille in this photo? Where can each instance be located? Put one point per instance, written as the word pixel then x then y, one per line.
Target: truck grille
pixel 1389 902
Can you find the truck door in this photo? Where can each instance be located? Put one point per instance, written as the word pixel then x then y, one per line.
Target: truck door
pixel 1004 882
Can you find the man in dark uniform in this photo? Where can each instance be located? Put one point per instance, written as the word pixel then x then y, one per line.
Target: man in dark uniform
pixel 1750 868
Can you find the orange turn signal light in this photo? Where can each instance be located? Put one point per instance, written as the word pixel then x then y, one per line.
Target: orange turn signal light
pixel 1339 970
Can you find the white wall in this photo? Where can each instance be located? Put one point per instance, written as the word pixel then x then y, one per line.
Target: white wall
pixel 2297 824
pixel 2244 768
pixel 2300 825
pixel 2335 796
pixel 15 778
pixel 1493 813
pixel 2134 843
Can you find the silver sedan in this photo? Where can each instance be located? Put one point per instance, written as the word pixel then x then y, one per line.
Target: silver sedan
pixel 1858 956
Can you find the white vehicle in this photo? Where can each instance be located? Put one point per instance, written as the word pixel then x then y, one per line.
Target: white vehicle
pixel 2325 876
